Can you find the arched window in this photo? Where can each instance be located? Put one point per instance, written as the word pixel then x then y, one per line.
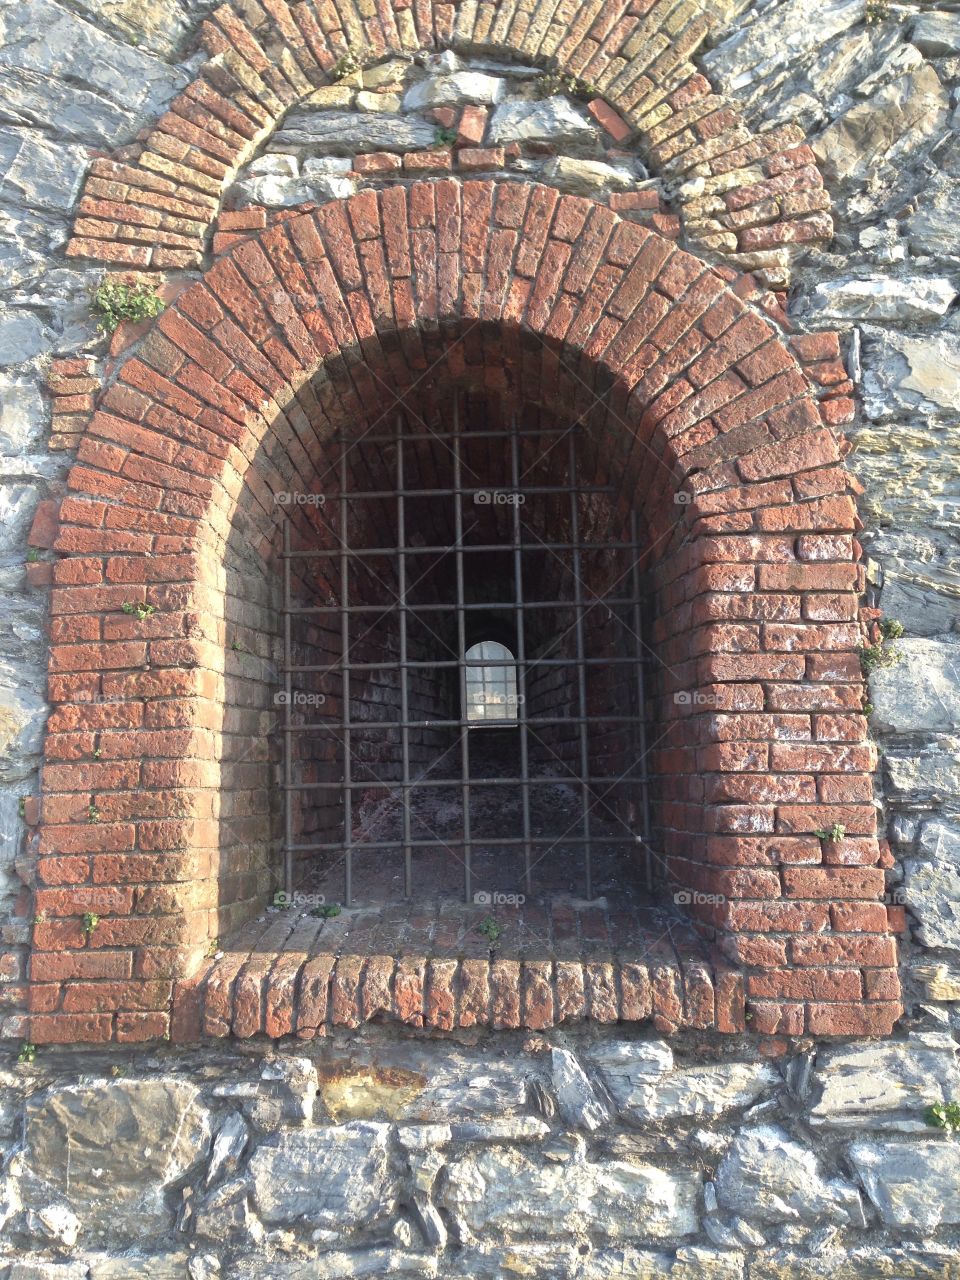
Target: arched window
pixel 491 683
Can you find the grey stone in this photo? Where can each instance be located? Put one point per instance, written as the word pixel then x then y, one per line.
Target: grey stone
pixel 916 298
pixel 295 1080
pixel 394 71
pixel 228 1147
pixel 339 1265
pixel 158 25
pixel 935 228
pixel 578 1103
pixel 23 414
pixel 347 133
pixel 883 1086
pixel 451 1095
pixel 47 40
pixel 22 336
pixel 554 120
pixel 274 165
pixel 937 34
pixel 890 126
pixel 38 172
pixel 172 1265
pixel 922 692
pixel 389 102
pixel 508 1194
pixel 226 1213
pixel 23 713
pixel 927 774
pixel 109 1150
pixel 459 89
pixel 587 176
pixel 768 1177
pixel 861 1263
pixel 913 1185
pixel 629 1068
pixel 30 99
pixel 505 1129
pixel 281 193
pixel 931 885
pixel 700 1091
pixel 54 1222
pixel 327 166
pixel 941 981
pixel 337 1178
pixel 40 1269
pixel 784 32
pixel 910 373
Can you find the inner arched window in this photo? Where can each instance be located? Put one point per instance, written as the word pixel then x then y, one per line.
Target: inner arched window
pixel 491 682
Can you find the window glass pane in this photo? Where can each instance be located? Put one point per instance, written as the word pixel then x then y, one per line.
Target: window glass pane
pixel 491 685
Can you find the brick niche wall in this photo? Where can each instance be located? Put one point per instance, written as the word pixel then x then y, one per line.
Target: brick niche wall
pixel 688 383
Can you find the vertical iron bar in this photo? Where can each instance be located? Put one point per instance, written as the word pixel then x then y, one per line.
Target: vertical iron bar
pixel 581 669
pixel 287 713
pixel 405 793
pixel 521 679
pixel 345 683
pixel 461 650
pixel 641 696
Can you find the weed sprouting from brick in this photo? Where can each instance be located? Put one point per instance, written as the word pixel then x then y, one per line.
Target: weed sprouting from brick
pixel 119 300
pixel 445 137
pixel 27 1052
pixel 348 65
pixel 836 832
pixel 138 608
pixel 489 928
pixel 90 923
pixel 557 82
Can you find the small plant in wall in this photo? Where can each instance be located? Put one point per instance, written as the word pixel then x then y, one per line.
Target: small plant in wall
pixel 93 814
pixel 489 928
pixel 944 1115
pixel 348 65
pixel 836 832
pixel 22 806
pixel 33 555
pixel 117 300
pixel 327 911
pixel 138 608
pixel 557 82
pixel 444 137
pixel 881 655
pixel 877 11
pixel 90 922
pixel 27 1052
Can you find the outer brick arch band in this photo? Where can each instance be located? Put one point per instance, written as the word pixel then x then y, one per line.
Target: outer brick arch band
pixel 153 208
pixel 756 577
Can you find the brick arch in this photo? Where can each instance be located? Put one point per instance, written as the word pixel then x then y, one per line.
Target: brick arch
pixel 152 209
pixel 703 411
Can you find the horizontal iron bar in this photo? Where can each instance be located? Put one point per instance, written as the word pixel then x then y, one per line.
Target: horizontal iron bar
pixel 375 784
pixel 392 494
pixel 415 436
pixel 482 841
pixel 508 722
pixel 485 547
pixel 489 606
pixel 453 662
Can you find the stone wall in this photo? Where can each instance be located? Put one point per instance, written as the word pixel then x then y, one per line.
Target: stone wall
pixel 591 1157
pixel 818 1163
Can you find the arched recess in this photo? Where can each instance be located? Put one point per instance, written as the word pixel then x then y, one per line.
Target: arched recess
pixel 755 192
pixel 691 398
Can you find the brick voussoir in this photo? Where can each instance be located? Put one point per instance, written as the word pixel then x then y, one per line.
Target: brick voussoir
pixel 279 994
